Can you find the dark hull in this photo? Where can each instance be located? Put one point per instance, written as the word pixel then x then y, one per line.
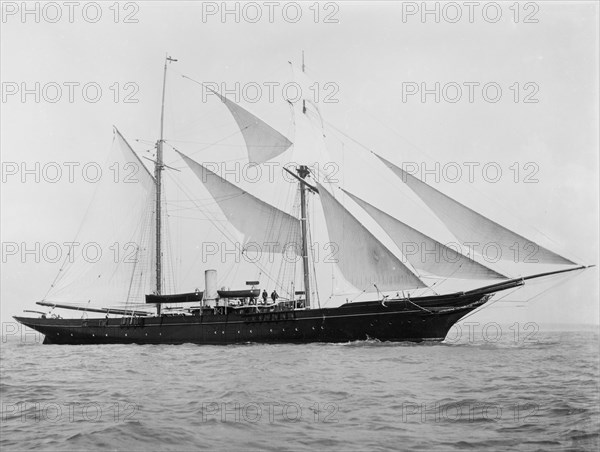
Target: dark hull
pixel 396 320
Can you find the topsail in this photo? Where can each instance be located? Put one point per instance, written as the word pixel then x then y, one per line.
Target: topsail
pixel 262 141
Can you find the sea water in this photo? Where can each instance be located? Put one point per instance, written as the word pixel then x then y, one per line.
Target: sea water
pixel 533 392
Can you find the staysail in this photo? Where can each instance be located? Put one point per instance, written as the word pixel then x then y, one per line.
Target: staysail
pixel 262 224
pixel 263 142
pixel 425 253
pixel 362 258
pixel 471 227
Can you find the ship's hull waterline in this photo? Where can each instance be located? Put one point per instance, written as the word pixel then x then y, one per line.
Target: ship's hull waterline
pixel 396 320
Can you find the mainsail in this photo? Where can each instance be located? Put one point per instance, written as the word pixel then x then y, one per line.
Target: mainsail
pixel 111 258
pixel 425 253
pixel 262 224
pixel 262 141
pixel 362 258
pixel 471 227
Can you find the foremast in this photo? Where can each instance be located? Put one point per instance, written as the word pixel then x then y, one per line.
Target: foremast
pixel 158 167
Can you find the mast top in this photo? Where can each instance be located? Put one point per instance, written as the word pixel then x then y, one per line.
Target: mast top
pixel 303 171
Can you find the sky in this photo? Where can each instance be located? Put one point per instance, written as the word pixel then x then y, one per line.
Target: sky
pixel 372 62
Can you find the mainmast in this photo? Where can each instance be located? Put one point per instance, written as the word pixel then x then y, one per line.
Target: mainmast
pixel 158 167
pixel 303 171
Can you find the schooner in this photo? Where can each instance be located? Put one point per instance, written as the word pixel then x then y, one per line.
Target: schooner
pixel 403 307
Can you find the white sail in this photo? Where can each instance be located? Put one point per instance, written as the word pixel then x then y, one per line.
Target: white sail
pixel 146 178
pixel 425 253
pixel 363 260
pixel 111 258
pixel 471 227
pixel 263 142
pixel 263 225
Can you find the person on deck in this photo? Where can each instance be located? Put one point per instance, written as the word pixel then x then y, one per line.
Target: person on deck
pixel 274 296
pixel 264 296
